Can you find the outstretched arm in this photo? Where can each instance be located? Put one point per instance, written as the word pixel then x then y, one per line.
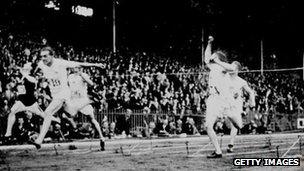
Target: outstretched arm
pixel 87 79
pixel 27 76
pixel 86 64
pixel 30 78
pixel 208 51
pixel 72 64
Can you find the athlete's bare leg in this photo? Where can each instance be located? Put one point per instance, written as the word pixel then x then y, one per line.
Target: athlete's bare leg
pixel 88 110
pixel 35 109
pixel 237 123
pixel 211 116
pixel 54 106
pixel 97 126
pixel 72 122
pixel 17 107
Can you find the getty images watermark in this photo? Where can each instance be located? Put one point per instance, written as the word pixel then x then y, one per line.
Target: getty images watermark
pixel 266 161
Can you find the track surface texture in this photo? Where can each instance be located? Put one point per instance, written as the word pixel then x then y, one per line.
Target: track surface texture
pixel 151 154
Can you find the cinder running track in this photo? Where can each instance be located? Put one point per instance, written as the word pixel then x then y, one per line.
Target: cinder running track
pixel 147 154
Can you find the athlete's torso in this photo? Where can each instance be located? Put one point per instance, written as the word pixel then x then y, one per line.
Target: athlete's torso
pixel 217 79
pixel 77 85
pixel 236 88
pixel 26 92
pixel 56 75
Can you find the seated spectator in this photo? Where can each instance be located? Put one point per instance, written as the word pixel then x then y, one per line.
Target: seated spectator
pixel 179 126
pixel 249 128
pixel 136 80
pixel 112 129
pixel 105 127
pixel 161 125
pixel 190 128
pixel 20 131
pixel 171 128
pixel 123 123
pixel 86 130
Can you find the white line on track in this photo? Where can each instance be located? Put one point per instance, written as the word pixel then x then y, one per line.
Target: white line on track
pixel 117 143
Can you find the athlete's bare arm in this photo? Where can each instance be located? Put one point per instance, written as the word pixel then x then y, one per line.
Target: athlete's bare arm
pixel 208 51
pixel 227 66
pixel 251 95
pixel 209 57
pixel 87 79
pixel 28 77
pixel 72 64
pixel 38 71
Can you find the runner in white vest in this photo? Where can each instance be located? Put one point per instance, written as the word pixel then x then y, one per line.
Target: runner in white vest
pixel 216 103
pixel 79 100
pixel 55 71
pixel 237 86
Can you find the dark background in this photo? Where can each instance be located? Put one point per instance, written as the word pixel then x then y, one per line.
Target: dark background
pixel 171 27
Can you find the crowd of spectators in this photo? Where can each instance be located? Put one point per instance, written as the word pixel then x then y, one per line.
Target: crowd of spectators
pixel 141 81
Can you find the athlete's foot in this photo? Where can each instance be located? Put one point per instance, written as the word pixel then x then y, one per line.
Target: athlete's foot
pixel 215 155
pixel 102 145
pixel 38 146
pixel 230 148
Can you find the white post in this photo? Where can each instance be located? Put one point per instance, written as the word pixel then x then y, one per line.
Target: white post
pixel 114 27
pixel 203 50
pixel 262 58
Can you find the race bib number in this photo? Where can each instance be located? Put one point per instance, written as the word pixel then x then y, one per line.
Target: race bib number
pixel 21 89
pixel 55 83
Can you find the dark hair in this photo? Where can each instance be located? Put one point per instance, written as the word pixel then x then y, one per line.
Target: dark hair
pixel 221 55
pixel 48 48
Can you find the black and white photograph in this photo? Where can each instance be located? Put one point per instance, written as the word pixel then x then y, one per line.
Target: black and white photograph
pixel 151 85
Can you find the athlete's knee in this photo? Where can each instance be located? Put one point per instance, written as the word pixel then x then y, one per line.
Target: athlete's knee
pixel 90 109
pixel 237 124
pixel 94 121
pixel 92 118
pixel 12 113
pixel 209 126
pixel 51 110
pixel 210 120
pixel 48 116
pixel 240 125
pixel 17 107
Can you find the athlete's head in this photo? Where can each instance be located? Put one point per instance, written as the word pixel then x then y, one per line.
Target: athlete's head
pixel 221 55
pixel 47 55
pixel 76 70
pixel 237 65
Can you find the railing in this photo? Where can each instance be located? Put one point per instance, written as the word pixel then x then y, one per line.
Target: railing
pixel 137 118
pixel 276 121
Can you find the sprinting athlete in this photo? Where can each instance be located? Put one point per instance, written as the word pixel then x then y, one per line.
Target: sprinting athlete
pixel 216 103
pixel 237 86
pixel 26 100
pixel 55 70
pixel 79 101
